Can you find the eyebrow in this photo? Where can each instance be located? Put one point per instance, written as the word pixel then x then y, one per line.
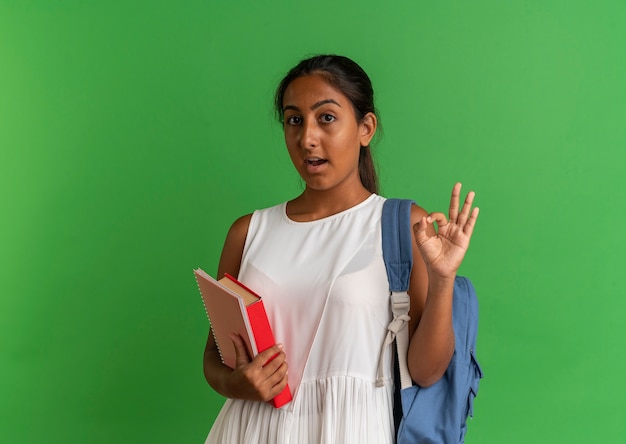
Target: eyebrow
pixel 314 106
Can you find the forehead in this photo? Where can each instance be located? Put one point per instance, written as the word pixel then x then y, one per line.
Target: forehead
pixel 310 89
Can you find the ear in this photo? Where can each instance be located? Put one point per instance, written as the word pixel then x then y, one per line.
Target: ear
pixel 367 128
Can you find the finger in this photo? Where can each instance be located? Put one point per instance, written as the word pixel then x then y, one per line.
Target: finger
pixel 419 230
pixel 467 206
pixel 271 358
pixel 439 218
pixel 278 376
pixel 241 354
pixel 422 230
pixel 453 212
pixel 280 381
pixel 471 222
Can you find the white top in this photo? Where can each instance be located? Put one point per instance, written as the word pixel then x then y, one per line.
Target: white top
pixel 327 298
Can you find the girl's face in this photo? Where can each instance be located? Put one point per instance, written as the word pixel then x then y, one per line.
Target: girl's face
pixel 322 134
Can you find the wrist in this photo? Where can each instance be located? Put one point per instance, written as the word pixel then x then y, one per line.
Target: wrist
pixel 438 283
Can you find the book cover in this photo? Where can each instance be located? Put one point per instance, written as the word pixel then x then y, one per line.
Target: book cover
pixel 233 308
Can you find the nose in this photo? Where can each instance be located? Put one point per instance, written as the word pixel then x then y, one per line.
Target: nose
pixel 309 137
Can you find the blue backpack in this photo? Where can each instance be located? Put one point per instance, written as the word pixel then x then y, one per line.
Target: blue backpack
pixel 436 414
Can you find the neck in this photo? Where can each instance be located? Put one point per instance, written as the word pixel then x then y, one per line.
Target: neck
pixel 318 204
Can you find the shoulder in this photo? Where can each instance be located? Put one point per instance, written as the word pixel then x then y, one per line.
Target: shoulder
pixel 240 226
pixel 238 231
pixel 417 212
pixel 235 242
pixel 230 260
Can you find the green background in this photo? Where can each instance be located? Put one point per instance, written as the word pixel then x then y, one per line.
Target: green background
pixel 133 133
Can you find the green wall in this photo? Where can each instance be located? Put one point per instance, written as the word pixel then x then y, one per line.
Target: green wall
pixel 133 133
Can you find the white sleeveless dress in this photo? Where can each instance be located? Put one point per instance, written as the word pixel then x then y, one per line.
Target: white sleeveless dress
pixel 327 297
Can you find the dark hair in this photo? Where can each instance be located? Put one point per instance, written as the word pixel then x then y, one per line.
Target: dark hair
pixel 349 78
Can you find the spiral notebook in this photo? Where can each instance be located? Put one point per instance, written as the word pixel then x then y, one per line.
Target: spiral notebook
pixel 233 308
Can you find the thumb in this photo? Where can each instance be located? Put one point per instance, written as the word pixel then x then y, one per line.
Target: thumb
pixel 419 230
pixel 241 354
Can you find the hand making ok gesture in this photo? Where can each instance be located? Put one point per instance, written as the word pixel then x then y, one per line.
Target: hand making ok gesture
pixel 443 252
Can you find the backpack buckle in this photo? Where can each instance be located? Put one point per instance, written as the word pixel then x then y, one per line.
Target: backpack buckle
pixel 400 303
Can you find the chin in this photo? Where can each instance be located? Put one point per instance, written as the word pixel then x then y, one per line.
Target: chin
pixel 317 187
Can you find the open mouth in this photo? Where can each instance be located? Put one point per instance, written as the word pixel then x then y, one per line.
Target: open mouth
pixel 315 161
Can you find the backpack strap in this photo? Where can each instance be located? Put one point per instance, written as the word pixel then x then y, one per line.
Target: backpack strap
pixel 398 257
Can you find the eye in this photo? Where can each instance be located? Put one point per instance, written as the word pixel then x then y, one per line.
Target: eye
pixel 293 120
pixel 327 118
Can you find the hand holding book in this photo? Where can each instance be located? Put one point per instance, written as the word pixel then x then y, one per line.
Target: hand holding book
pixel 262 378
pixel 242 331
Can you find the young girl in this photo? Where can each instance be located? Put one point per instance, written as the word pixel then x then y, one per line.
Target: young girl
pixel 317 261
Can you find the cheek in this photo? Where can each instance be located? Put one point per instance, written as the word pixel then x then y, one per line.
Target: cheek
pixel 291 137
pixel 293 150
pixel 350 144
pixel 291 143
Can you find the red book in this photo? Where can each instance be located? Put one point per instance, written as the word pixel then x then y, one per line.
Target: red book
pixel 234 308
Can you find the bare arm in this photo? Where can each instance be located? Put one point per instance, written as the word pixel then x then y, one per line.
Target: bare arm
pixel 437 256
pixel 255 379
